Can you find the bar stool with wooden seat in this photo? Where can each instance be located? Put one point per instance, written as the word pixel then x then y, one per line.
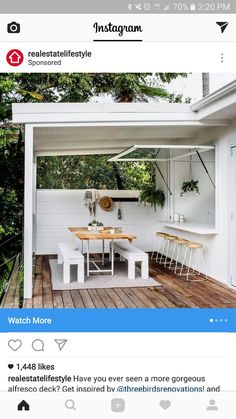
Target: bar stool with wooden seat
pixel 190 248
pixel 170 241
pixel 176 255
pixel 160 247
pixel 161 235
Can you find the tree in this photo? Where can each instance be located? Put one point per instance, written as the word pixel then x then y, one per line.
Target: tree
pixel 93 171
pixel 134 87
pixel 205 84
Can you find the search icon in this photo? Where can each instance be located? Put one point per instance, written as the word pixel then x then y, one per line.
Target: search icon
pixel 70 404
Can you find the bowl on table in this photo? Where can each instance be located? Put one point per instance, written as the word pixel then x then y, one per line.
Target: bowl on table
pixel 107 231
pixel 95 228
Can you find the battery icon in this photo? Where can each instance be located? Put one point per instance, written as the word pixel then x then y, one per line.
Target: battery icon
pixel 192 7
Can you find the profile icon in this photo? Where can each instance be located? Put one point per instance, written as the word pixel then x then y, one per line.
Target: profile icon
pixel 212 405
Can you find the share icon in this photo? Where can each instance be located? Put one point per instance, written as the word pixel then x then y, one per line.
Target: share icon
pixel 61 343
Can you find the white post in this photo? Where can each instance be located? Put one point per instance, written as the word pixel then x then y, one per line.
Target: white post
pixel 28 213
pixel 34 203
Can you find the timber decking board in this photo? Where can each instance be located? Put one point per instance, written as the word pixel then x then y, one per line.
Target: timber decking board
pixel 105 298
pixel 96 299
pixel 47 286
pixel 175 292
pixel 87 300
pixel 11 298
pixel 67 299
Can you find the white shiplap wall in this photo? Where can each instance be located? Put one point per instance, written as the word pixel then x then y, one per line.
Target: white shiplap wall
pixel 59 209
pixel 196 208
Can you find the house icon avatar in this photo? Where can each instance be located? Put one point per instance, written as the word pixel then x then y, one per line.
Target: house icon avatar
pixel 15 58
pixel 23 406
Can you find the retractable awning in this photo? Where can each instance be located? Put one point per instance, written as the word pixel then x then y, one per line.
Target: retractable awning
pixel 163 153
pixel 158 152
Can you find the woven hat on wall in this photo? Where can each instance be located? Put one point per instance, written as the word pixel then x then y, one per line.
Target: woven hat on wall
pixel 106 203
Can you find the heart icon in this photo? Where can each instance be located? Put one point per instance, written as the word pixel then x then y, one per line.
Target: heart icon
pixel 165 404
pixel 10 366
pixel 14 344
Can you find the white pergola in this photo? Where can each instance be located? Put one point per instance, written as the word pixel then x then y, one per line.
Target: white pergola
pixel 96 128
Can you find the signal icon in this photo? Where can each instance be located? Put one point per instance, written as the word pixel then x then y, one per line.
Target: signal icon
pixel 167 7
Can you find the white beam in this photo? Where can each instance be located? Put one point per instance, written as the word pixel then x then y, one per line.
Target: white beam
pixel 200 149
pixel 28 212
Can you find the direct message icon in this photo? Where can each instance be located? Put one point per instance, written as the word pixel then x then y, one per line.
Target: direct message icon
pixel 61 343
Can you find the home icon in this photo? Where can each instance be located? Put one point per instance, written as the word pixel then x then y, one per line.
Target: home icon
pixel 23 406
pixel 15 57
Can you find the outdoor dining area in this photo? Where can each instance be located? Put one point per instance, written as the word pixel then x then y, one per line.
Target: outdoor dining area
pixel 172 252
pixel 119 243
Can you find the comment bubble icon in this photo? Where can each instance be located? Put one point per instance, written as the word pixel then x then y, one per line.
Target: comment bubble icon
pixel 38 345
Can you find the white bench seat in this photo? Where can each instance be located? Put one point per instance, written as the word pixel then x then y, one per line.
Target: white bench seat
pixel 68 257
pixel 132 254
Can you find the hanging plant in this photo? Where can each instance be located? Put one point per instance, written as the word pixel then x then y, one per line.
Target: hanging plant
pixel 190 185
pixel 150 195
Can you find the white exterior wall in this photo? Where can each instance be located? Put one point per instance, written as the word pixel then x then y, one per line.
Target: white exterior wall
pixel 198 208
pixel 217 247
pixel 227 184
pixel 59 209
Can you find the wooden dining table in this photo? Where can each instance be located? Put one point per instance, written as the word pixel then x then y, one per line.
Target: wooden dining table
pixel 86 235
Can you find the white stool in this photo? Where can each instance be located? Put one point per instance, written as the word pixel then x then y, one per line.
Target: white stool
pixel 160 243
pixel 176 255
pixel 190 248
pixel 163 248
pixel 169 240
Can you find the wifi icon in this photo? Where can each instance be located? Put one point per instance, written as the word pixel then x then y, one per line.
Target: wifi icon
pixel 222 25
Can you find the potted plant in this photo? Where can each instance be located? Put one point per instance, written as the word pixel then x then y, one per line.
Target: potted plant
pixel 190 185
pixel 95 225
pixel 153 196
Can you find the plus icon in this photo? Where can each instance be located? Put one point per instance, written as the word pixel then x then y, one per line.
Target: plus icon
pixel 118 405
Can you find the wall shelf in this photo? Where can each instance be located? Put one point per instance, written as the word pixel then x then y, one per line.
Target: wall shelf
pixel 116 199
pixel 196 228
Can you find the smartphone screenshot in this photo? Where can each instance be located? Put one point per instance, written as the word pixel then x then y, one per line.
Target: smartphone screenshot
pixel 118 209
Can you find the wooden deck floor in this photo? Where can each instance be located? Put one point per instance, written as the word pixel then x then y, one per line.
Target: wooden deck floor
pixel 175 292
